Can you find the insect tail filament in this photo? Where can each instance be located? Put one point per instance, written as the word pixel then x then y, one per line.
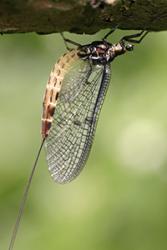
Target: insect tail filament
pixel 24 199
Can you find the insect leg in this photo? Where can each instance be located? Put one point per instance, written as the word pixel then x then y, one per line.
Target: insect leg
pixel 109 33
pixel 69 41
pixel 130 38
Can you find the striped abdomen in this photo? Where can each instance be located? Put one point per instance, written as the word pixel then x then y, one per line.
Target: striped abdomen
pixel 53 88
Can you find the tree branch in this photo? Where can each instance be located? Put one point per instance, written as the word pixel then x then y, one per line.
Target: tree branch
pixel 84 16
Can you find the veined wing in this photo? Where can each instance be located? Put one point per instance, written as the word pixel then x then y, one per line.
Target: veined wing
pixel 71 135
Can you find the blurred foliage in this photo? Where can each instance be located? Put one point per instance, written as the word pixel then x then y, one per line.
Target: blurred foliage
pixel 119 201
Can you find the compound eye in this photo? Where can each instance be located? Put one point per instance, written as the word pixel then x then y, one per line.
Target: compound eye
pixel 129 47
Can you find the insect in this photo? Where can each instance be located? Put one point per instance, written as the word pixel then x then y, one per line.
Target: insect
pixel 72 103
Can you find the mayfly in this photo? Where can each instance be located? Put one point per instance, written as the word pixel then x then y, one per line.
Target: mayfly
pixel 72 102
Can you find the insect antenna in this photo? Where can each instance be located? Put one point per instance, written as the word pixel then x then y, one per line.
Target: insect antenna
pixel 24 198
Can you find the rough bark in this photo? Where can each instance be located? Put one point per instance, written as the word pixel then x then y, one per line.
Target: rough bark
pixel 81 16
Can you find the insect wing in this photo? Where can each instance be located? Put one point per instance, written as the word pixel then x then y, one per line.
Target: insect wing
pixel 71 135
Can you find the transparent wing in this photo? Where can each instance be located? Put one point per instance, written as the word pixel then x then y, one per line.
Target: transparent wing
pixel 69 141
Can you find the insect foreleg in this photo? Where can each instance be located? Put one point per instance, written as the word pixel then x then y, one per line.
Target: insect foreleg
pixel 141 34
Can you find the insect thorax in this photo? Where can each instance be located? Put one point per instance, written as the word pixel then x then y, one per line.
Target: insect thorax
pixel 101 52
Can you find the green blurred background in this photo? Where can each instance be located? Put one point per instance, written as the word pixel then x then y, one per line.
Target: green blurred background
pixel 119 201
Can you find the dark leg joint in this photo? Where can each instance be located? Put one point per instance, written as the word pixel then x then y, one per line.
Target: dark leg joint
pixel 141 34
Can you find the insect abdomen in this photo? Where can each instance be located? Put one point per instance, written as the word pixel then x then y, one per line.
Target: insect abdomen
pixel 53 88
